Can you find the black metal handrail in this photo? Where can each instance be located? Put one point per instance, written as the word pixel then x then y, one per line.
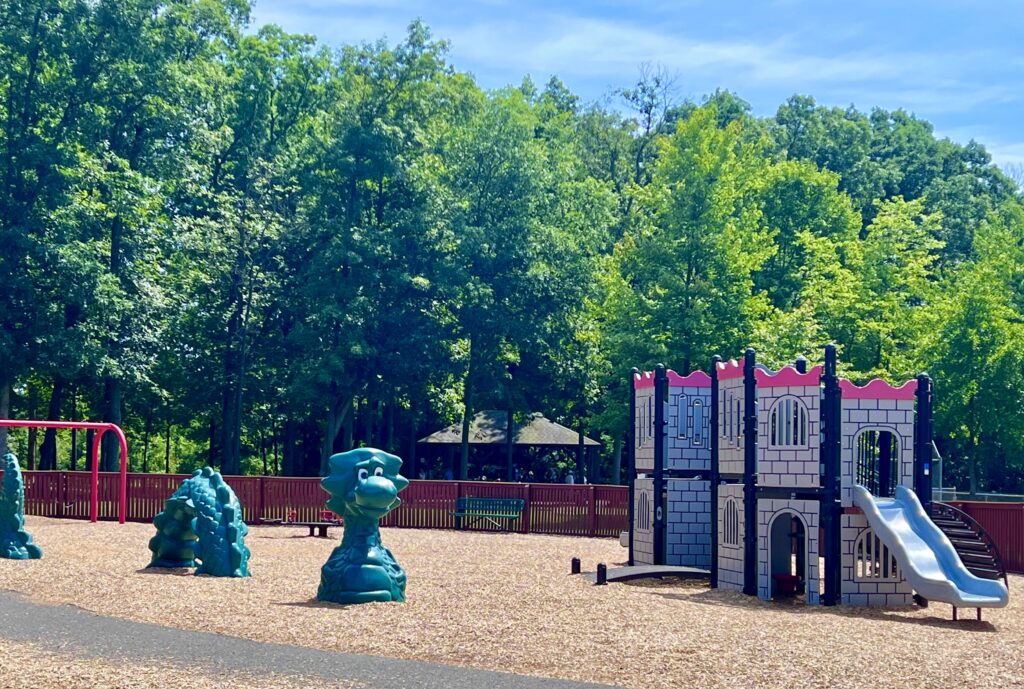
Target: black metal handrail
pixel 972 523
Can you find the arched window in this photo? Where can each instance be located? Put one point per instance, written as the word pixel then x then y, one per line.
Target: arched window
pixel 872 560
pixel 730 524
pixel 737 432
pixel 723 415
pixel 697 413
pixel 878 455
pixel 643 512
pixel 681 415
pixel 788 424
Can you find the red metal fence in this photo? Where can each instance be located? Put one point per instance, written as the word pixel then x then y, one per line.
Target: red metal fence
pixel 571 510
pixel 1004 521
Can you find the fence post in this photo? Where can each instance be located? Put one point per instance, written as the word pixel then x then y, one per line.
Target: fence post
pixel 592 508
pixel 62 493
pixel 455 505
pixel 258 517
pixel 524 523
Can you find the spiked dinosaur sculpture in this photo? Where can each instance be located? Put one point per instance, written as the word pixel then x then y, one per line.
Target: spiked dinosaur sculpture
pixel 202 521
pixel 15 542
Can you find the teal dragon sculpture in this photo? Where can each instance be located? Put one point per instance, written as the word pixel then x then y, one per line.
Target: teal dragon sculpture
pixel 202 521
pixel 15 542
pixel 364 486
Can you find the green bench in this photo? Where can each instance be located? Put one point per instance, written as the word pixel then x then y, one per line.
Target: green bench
pixel 500 512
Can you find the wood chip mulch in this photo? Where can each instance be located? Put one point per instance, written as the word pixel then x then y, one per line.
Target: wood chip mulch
pixel 506 602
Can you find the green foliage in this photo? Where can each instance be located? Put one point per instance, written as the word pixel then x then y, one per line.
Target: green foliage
pixel 235 241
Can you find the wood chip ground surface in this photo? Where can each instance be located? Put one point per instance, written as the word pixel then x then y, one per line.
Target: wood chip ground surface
pixel 506 602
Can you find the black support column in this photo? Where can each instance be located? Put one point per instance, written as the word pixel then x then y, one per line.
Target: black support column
pixel 660 391
pixel 749 474
pixel 631 437
pixel 715 477
pixel 831 504
pixel 923 443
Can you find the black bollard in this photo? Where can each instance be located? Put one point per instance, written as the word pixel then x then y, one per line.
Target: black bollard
pixel 575 566
pixel 602 574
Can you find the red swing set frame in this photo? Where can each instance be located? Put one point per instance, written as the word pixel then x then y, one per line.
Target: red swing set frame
pixel 100 428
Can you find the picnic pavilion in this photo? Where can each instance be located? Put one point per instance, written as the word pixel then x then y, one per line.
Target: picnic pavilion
pixel 491 444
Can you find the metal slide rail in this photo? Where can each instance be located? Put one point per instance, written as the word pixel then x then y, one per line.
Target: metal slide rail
pixel 100 428
pixel 943 509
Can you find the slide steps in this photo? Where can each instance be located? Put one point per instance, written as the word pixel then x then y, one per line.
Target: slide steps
pixel 975 551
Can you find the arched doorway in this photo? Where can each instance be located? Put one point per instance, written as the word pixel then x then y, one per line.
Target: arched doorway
pixel 787 556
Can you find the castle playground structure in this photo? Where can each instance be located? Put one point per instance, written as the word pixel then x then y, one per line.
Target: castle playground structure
pixel 799 483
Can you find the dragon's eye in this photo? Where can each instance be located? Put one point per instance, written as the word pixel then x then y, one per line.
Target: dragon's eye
pixel 363 474
pixel 378 471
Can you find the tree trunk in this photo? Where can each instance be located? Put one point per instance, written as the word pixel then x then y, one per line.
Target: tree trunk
pixel 467 417
pixel 167 448
pixel 339 411
pixel 350 427
pixel 368 422
pixel 145 444
pixel 73 463
pixel 510 446
pixel 580 456
pixel 273 446
pixel 412 448
pixel 231 413
pixel 113 395
pixel 32 432
pixel 389 433
pixel 288 448
pixel 48 450
pixel 263 451
pixel 89 458
pixel 211 451
pixel 617 461
pixel 5 411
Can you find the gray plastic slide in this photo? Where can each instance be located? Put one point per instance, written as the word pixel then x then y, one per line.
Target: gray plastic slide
pixel 924 554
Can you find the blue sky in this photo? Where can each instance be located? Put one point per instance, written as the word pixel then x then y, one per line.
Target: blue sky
pixel 959 65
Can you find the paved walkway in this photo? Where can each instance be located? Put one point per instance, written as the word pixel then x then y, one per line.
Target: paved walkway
pixel 93 635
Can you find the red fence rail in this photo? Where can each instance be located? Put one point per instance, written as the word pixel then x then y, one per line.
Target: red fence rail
pixel 572 510
pixel 1004 521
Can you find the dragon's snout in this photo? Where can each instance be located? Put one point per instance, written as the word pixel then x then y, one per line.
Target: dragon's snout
pixel 376 492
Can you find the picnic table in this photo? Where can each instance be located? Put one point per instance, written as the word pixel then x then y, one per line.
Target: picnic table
pixel 320 526
pixel 470 510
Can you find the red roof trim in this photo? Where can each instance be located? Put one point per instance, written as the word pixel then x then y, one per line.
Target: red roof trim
pixel 696 379
pixel 878 389
pixel 729 369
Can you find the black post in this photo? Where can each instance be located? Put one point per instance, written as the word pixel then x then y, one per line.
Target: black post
pixel 574 566
pixel 660 392
pixel 749 474
pixel 831 507
pixel 801 364
pixel 631 456
pixel 509 446
pixel 923 443
pixel 602 574
pixel 884 464
pixel 714 473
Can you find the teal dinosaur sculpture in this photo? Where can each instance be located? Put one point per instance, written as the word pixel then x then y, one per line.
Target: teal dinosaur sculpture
pixel 364 486
pixel 202 521
pixel 15 542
